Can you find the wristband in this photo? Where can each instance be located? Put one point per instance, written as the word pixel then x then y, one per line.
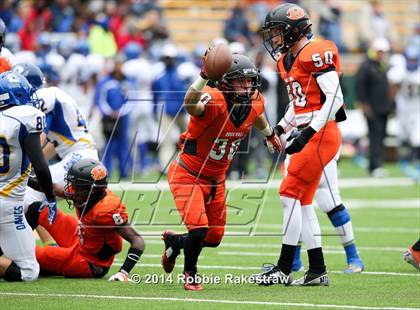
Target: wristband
pixel 199 84
pixel 132 258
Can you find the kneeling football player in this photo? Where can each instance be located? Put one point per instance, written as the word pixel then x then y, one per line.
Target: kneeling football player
pixel 87 244
pixel 221 117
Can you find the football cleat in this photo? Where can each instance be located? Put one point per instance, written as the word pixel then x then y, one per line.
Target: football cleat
pixel 271 275
pixel 312 279
pixel 412 257
pixel 169 254
pixel 355 266
pixel 192 281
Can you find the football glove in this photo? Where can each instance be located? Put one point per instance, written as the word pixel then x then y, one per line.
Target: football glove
pixel 273 143
pixel 120 276
pixel 203 73
pixel 299 140
pixel 52 209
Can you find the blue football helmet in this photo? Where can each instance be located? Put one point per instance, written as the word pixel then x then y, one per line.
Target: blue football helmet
pixel 32 73
pixel 132 50
pixel 14 89
pixel 412 56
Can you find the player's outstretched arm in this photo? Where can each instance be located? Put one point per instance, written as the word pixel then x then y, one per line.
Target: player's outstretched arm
pixel 272 139
pixel 134 252
pixel 32 147
pixel 192 102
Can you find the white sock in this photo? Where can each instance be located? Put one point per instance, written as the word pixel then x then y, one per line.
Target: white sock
pixel 311 231
pixel 292 220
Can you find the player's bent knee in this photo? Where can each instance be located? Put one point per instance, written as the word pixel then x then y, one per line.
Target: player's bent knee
pixel 339 216
pixel 12 273
pixel 199 234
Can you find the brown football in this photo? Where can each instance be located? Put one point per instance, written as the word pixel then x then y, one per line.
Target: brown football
pixel 217 61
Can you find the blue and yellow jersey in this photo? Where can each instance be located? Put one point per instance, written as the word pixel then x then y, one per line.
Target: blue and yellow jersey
pixel 66 127
pixel 15 124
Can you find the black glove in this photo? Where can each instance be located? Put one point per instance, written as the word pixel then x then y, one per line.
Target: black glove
pixel 278 130
pixel 300 140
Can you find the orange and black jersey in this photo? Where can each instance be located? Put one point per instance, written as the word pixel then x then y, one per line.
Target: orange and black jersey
pixel 99 241
pixel 212 139
pixel 299 74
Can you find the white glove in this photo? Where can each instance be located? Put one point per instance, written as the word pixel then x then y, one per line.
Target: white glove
pixel 120 276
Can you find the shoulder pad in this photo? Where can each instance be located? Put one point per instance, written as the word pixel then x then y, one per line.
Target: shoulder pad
pixel 32 118
pixel 319 56
pixel 258 102
pixel 47 96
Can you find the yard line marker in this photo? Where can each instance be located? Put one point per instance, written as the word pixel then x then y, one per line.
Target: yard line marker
pixel 253 231
pixel 244 253
pixel 277 246
pixel 221 301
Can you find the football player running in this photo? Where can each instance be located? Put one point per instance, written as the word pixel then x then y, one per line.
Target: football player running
pixel 310 70
pixel 221 117
pixel 20 147
pixel 87 244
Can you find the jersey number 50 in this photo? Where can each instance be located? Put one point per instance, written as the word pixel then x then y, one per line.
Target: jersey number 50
pixel 4 156
pixel 220 146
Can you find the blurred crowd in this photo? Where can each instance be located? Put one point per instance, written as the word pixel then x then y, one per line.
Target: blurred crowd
pixel 121 65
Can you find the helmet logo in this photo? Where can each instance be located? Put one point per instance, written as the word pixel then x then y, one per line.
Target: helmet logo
pixel 98 173
pixel 295 13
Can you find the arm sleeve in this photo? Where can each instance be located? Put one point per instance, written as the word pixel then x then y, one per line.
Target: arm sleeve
pixel 288 121
pixel 32 146
pixel 330 85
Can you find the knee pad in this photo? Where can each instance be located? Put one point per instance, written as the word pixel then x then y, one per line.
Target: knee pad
pixel 13 273
pixel 214 237
pixel 198 234
pixel 339 216
pixel 32 214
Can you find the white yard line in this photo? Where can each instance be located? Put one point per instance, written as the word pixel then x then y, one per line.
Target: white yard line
pixel 254 228
pixel 197 300
pixel 277 246
pixel 344 183
pixel 118 262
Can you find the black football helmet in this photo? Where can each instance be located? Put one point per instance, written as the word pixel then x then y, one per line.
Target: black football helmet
pixel 283 27
pixel 86 182
pixel 2 33
pixel 241 69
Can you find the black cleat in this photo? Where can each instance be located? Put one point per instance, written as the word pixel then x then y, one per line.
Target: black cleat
pixel 312 279
pixel 272 275
pixel 169 254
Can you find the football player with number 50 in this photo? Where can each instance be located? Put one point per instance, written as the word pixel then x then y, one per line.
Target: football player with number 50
pixel 310 70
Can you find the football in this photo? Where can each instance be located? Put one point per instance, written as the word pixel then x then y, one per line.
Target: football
pixel 217 61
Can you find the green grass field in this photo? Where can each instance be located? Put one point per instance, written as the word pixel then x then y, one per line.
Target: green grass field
pixel 386 221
